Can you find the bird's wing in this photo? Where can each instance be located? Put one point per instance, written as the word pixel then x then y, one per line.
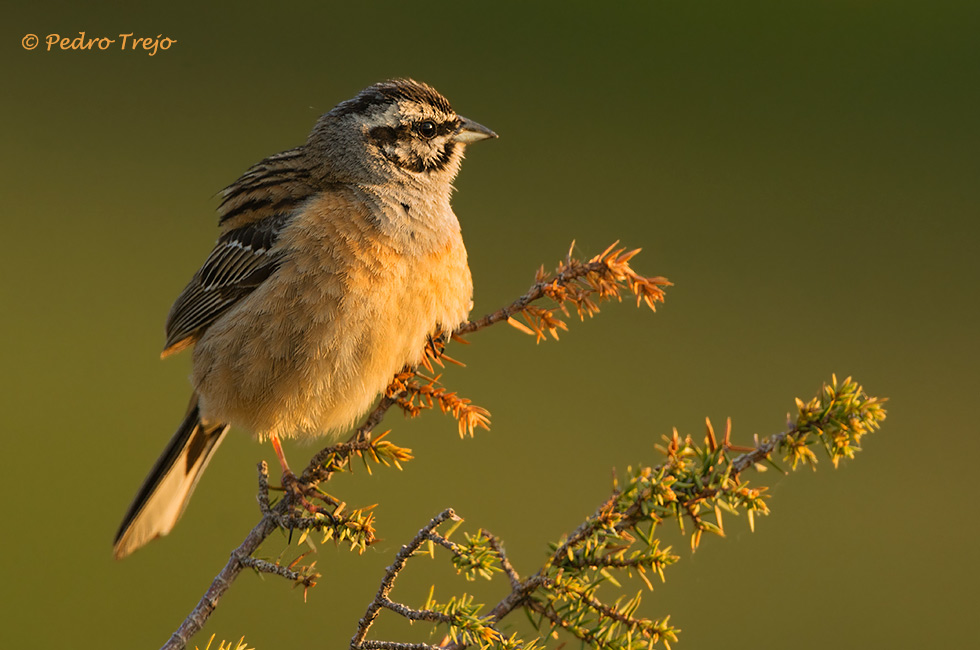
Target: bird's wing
pixel 253 213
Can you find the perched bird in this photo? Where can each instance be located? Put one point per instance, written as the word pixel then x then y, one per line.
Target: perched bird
pixel 336 261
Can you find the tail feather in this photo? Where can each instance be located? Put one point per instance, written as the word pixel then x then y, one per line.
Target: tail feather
pixel 168 487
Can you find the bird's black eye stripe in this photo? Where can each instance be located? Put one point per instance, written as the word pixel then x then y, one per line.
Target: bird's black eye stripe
pixel 429 129
pixel 426 128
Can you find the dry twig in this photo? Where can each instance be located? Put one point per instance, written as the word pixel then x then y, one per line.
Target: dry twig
pixel 577 284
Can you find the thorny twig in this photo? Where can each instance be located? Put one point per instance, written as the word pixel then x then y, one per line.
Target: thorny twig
pixel 382 600
pixel 523 590
pixel 269 522
pixel 603 274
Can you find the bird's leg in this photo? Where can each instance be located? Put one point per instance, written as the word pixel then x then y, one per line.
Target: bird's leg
pixel 290 483
pixel 282 457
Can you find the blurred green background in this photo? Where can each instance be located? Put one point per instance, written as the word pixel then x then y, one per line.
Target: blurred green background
pixel 806 173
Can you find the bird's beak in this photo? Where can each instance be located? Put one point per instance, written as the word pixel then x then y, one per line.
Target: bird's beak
pixel 470 131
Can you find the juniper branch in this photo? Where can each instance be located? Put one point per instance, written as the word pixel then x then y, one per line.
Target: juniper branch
pixel 394 645
pixel 606 271
pixel 445 543
pixel 515 579
pixel 388 582
pixel 271 516
pixel 221 583
pixel 264 566
pixel 318 471
pixel 603 273
pixel 841 413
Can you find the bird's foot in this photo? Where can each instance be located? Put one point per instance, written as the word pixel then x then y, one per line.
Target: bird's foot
pixel 300 494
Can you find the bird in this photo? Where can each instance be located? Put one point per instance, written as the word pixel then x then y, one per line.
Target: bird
pixel 335 263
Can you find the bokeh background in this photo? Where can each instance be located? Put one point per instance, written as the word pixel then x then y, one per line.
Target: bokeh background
pixel 806 174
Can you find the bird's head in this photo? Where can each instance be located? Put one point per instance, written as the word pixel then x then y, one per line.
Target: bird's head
pixel 398 131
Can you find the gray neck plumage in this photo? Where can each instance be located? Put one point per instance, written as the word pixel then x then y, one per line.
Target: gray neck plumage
pixel 420 222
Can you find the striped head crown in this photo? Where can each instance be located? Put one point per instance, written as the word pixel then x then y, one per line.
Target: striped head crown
pixel 397 128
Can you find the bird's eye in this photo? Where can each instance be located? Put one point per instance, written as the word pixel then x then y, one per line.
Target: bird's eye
pixel 426 129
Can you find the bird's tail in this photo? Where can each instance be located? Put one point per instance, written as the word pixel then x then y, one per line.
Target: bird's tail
pixel 169 485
